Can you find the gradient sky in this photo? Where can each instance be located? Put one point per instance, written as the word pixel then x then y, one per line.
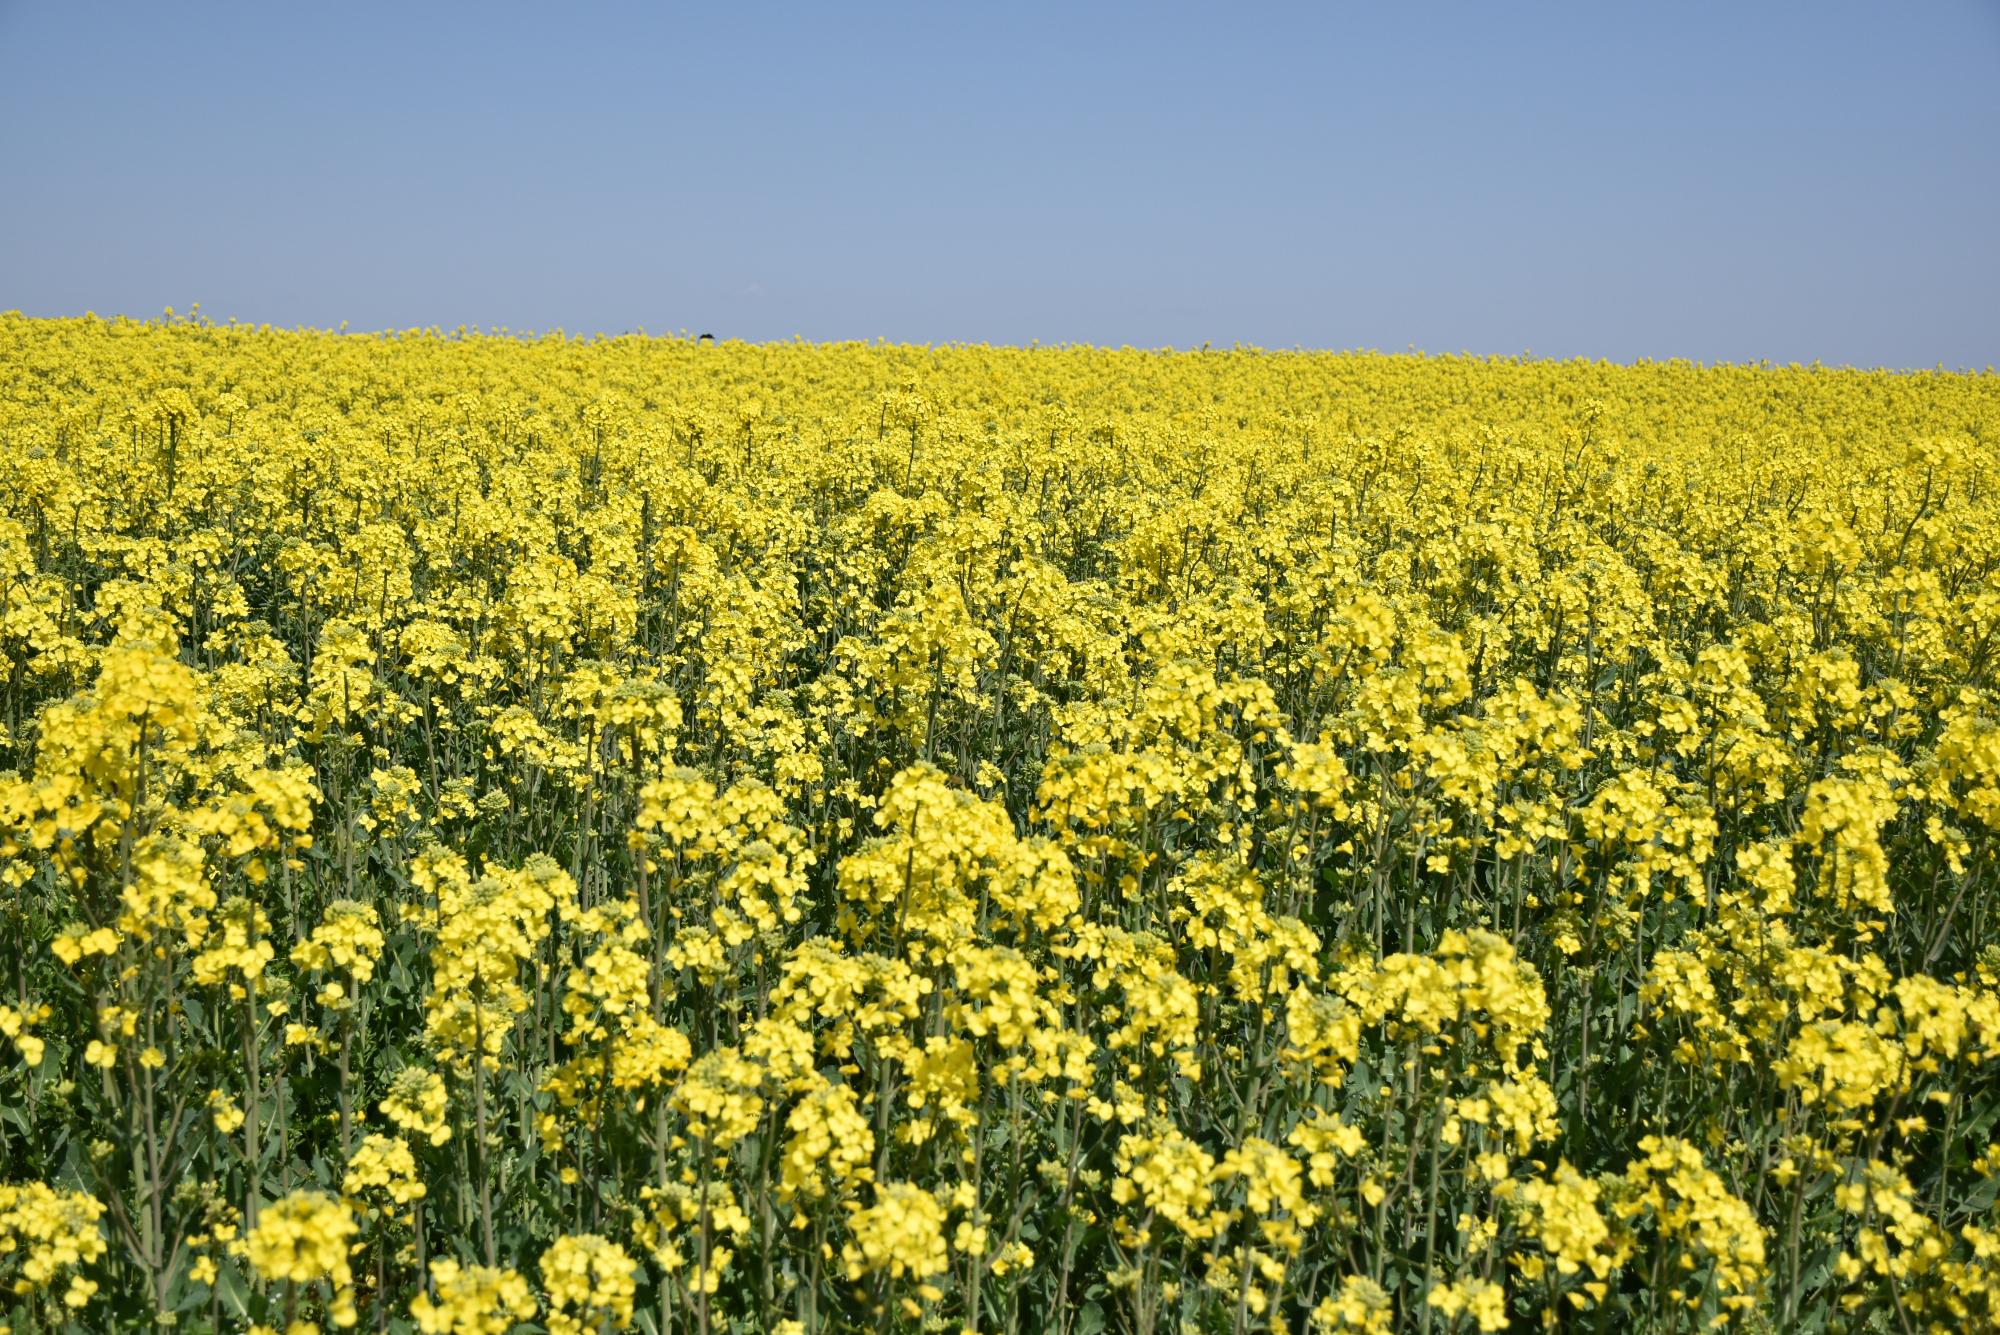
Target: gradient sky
pixel 1733 181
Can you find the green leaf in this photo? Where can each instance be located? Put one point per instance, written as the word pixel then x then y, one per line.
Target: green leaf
pixel 230 1288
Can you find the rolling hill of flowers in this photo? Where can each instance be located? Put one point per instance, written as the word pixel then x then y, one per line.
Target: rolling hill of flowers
pixel 507 834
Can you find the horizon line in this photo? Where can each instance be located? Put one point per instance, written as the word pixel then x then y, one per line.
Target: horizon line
pixel 169 318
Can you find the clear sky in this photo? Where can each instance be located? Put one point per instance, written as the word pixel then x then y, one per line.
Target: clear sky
pixel 1748 180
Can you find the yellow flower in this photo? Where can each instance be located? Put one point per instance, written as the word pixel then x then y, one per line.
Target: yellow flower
pixel 416 1102
pixel 589 1281
pixel 472 1300
pixel 1485 1303
pixel 46 1232
pixel 1169 1176
pixel 384 1164
pixel 901 1234
pixel 1361 1306
pixel 302 1238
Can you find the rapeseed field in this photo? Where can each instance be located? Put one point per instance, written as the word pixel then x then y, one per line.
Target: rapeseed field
pixel 538 834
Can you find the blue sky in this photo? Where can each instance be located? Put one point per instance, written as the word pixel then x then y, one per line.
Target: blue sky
pixel 1716 181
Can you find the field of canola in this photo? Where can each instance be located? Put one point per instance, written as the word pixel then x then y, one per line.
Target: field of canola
pixel 509 834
